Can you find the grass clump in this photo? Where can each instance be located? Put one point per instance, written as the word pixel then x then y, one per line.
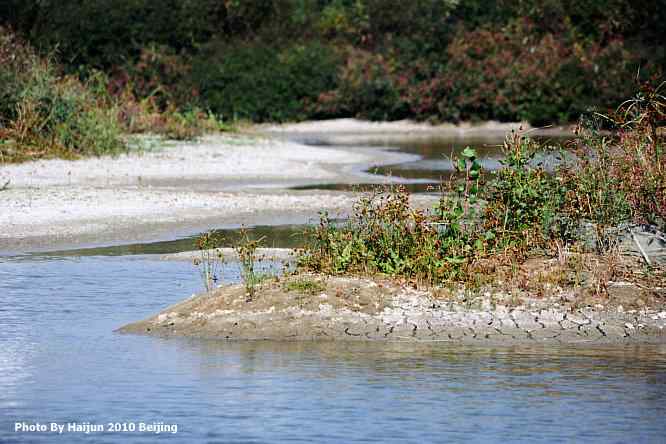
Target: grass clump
pixel 211 258
pixel 247 255
pixel 44 114
pixel 386 235
pixel 305 285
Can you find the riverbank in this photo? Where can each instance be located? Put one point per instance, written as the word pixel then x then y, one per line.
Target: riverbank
pixel 183 188
pixel 314 307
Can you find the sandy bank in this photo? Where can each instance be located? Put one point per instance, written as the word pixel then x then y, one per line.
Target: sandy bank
pixel 349 125
pixel 346 131
pixel 270 254
pixel 351 308
pixel 184 188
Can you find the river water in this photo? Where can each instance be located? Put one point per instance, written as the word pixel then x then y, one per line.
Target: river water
pixel 62 363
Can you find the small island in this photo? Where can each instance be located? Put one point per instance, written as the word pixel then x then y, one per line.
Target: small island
pixel 570 255
pixel 313 307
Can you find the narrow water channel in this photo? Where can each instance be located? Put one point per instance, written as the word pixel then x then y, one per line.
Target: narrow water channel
pixel 436 154
pixel 60 361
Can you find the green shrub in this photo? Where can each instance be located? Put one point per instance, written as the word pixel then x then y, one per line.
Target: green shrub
pixel 263 83
pixel 524 201
pixel 386 235
pixel 369 87
pixel 43 114
pixel 520 73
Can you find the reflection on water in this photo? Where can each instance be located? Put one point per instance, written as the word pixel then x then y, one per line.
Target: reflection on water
pixel 61 361
pixel 436 154
pixel 427 186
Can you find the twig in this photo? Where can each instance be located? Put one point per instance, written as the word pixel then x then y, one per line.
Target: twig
pixel 645 256
pixel 537 129
pixel 5 186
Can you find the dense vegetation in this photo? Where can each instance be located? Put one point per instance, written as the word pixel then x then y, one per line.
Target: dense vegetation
pixel 483 222
pixel 442 60
pixel 44 113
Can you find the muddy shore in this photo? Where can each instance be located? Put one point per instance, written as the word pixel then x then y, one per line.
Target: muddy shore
pixel 356 308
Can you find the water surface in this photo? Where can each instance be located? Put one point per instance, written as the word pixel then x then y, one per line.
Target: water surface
pixel 61 361
pixel 436 157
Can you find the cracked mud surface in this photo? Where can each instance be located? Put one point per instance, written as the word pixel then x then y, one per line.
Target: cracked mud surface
pixel 363 309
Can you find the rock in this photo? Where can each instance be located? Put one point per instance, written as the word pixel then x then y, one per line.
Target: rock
pixel 628 238
pixel 652 242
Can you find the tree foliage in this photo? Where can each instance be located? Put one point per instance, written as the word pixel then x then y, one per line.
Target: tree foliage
pixel 393 57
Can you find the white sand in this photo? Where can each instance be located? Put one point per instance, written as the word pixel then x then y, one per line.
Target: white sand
pixel 400 126
pixel 354 131
pixel 223 180
pixel 214 158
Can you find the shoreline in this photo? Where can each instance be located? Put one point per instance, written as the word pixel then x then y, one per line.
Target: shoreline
pixel 185 188
pixel 223 180
pixel 365 309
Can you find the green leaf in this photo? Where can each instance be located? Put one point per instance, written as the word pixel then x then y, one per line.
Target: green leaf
pixel 461 165
pixel 469 152
pixel 455 260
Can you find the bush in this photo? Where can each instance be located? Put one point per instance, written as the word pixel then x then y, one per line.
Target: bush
pixel 524 201
pixel 384 235
pixel 369 87
pixel 44 115
pixel 263 83
pixel 518 73
pixel 159 74
pixel 524 209
pixel 621 176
